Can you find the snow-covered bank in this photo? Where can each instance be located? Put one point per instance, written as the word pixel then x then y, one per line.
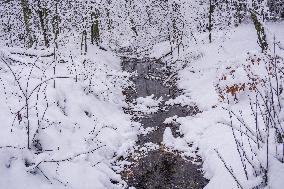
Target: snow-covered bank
pixel 211 75
pixel 70 105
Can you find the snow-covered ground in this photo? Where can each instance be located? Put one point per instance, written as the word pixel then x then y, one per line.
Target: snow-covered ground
pixel 61 111
pixel 206 80
pixel 72 104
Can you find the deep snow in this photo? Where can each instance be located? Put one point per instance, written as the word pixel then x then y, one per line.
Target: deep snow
pixel 208 132
pixel 77 124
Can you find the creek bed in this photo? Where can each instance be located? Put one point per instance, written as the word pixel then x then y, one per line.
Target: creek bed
pixel 160 168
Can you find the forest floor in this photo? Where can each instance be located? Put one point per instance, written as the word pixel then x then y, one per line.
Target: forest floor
pixel 153 165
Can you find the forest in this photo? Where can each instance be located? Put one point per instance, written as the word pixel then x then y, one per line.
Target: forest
pixel 145 94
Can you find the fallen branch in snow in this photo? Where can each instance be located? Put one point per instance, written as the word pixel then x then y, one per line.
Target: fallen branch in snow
pixel 169 53
pixel 169 78
pixel 104 127
pixel 45 81
pixel 60 181
pixel 73 157
pixel 13 147
pixel 30 53
pixel 97 163
pixel 44 175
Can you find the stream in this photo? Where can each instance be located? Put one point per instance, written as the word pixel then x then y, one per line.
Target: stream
pixel 159 168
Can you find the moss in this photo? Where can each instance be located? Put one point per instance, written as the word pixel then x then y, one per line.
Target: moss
pixel 260 32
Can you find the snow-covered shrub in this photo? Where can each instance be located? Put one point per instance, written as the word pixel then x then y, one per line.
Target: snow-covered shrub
pixel 241 79
pixel 58 128
pixel 258 131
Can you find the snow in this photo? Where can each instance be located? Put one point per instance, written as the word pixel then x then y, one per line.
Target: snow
pixel 173 143
pixel 81 124
pixel 160 49
pixel 68 104
pixel 170 120
pixel 209 131
pixel 276 175
pixel 181 100
pixel 146 105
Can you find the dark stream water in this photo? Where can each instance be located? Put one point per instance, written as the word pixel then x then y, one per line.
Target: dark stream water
pixel 159 169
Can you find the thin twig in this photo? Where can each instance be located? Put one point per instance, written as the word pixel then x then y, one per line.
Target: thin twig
pixel 229 170
pixel 73 157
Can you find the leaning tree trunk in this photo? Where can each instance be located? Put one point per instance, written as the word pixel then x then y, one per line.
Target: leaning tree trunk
pixel 261 37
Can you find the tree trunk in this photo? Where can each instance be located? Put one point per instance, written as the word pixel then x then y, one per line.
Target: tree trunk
pixel 42 13
pixel 55 25
pixel 26 16
pixel 261 37
pixel 95 32
pixel 210 24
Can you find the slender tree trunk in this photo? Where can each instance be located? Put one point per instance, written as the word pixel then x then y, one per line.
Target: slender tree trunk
pixel 42 13
pixel 84 47
pixel 26 16
pixel 95 32
pixel 55 25
pixel 210 24
pixel 109 20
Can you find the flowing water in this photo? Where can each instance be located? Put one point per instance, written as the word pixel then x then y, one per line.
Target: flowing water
pixel 159 169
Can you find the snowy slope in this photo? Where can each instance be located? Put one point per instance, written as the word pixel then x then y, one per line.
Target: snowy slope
pixel 210 132
pixel 77 126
